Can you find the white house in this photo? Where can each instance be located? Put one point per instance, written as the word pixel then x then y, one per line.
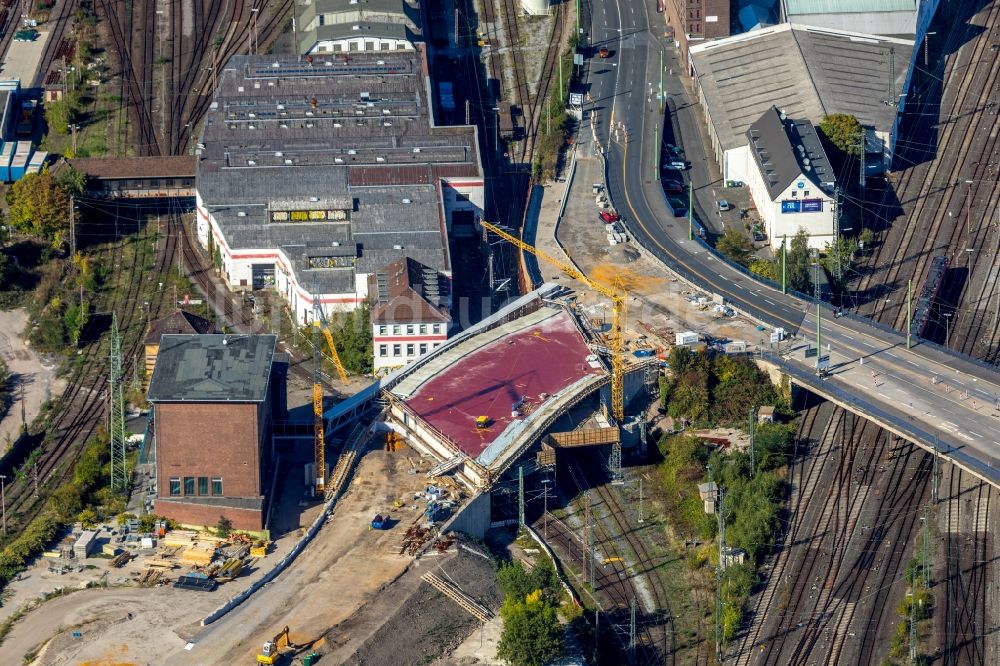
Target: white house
pixel 790 179
pixel 410 313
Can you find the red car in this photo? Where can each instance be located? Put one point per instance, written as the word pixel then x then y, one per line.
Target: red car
pixel 672 187
pixel 609 216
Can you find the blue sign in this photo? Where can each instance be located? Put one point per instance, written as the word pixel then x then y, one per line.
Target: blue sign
pixel 812 205
pixel 800 184
pixel 791 206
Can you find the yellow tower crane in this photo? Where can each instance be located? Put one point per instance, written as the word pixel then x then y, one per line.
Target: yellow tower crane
pixel 618 304
pixel 319 444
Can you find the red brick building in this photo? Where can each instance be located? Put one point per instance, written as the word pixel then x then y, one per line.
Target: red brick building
pixel 214 399
pixel 694 21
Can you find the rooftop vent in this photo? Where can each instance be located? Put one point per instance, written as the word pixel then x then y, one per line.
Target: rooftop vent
pixel 416 150
pixel 351 151
pixel 250 126
pixel 313 198
pixel 406 201
pixel 280 107
pixel 364 95
pixel 336 243
pixel 397 247
pixel 380 159
pixel 355 27
pixel 783 116
pixel 278 153
pixel 337 125
pixel 251 115
pixel 338 160
pixel 288 161
pixel 276 64
pixel 241 214
pixel 380 62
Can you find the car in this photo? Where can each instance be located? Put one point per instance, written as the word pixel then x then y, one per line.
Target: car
pixel 723 205
pixel 676 165
pixel 28 35
pixel 609 216
pixel 673 187
pixel 604 52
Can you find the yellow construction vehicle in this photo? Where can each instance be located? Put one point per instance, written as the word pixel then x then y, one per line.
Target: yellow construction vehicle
pixel 271 652
pixel 615 293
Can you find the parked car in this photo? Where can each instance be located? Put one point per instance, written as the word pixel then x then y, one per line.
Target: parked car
pixel 676 165
pixel 673 187
pixel 609 216
pixel 723 205
pixel 28 35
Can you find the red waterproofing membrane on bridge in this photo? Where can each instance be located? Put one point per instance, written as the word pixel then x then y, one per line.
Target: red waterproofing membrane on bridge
pixel 545 358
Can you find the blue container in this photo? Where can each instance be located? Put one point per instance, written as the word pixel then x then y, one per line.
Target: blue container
pixel 6 155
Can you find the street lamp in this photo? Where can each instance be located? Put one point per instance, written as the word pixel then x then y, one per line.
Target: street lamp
pixel 947 328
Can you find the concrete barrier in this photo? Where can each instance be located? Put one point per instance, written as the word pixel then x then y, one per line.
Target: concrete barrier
pixel 355 440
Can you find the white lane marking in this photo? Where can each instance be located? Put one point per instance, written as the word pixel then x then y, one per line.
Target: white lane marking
pixel 975 434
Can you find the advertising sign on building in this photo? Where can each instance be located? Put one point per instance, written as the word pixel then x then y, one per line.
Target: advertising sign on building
pixel 791 206
pixel 812 205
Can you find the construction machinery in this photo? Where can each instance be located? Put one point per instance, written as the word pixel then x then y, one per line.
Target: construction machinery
pixel 319 453
pixel 615 293
pixel 271 652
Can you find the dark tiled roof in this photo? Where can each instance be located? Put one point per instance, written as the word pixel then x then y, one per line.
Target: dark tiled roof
pixel 212 368
pixel 786 149
pixel 177 166
pixel 407 291
pixel 178 322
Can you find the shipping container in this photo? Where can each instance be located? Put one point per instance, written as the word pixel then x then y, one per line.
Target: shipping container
pixel 686 338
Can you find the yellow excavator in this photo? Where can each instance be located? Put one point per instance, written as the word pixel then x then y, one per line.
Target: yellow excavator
pixel 272 650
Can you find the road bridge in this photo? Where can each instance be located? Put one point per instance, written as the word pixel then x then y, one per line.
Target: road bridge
pixel 941 400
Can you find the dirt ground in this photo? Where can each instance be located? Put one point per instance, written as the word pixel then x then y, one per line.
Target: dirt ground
pixel 28 371
pixel 427 623
pixel 344 567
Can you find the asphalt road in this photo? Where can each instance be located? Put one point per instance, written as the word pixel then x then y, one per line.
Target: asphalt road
pixel 624 90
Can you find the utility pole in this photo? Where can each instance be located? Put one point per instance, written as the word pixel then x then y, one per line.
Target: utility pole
pixel 819 340
pixel 784 262
pixel 909 311
pixel 656 151
pixel 116 411
pixel 3 500
pixel 718 575
pixel 72 224
pixel 690 212
pixel 661 82
pixel 545 510
pixel 631 631
pixel 934 475
pixel 927 550
pixel 836 231
pixel 753 435
pixel 520 495
pixel 467 114
pixel 640 500
pixel 913 624
pixel 72 129
pixel 561 97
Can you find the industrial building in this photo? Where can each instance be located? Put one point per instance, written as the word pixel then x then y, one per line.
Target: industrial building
pixel 138 177
pixel 899 18
pixel 312 174
pixel 801 70
pixel 215 398
pixel 694 21
pixel 350 26
pixel 790 179
pixel 178 322
pixel 410 314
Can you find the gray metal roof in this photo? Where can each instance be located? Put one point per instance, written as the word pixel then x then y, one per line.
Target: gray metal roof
pixel 785 150
pixel 212 368
pixel 796 7
pixel 809 72
pixel 287 134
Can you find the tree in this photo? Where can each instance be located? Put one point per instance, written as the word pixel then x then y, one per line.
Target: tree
pixel 72 180
pixel 866 238
pixel 531 634
pixel 799 260
pixel 735 246
pixel 39 206
pixel 517 582
pixel 352 333
pixel 843 131
pixel 59 115
pixel 770 270
pixel 224 527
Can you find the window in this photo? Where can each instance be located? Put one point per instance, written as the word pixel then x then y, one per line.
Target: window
pixel 202 485
pixel 175 486
pixel 409 349
pixel 396 350
pixel 383 330
pixel 423 347
pixel 409 330
pixel 395 330
pixel 383 350
pixel 189 485
pixel 437 328
pixel 435 345
pixel 423 329
pixel 806 193
pixel 794 194
pixel 217 486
